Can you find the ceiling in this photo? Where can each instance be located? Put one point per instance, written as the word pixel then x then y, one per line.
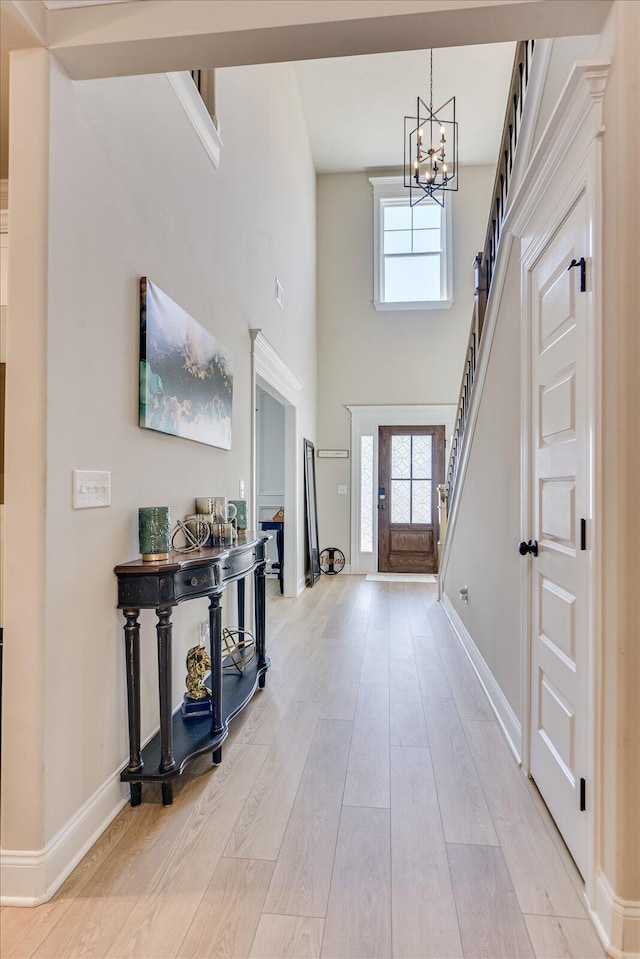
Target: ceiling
pixel 354 106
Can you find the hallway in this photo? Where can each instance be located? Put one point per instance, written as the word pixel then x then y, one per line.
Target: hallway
pixel 367 805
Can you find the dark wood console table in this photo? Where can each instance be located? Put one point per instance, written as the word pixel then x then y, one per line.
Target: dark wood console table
pixel 161 586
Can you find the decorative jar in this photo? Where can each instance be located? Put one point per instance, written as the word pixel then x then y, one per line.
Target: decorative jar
pixel 154 528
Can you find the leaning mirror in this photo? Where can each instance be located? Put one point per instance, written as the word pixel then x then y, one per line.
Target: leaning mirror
pixel 313 554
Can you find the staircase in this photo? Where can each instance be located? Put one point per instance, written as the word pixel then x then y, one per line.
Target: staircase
pixel 484 263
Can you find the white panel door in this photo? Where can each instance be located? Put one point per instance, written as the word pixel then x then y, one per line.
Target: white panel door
pixel 560 434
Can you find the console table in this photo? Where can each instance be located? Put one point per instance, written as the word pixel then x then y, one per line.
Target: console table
pixel 161 586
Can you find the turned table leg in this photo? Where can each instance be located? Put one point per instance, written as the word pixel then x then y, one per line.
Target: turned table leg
pixel 164 630
pixel 260 614
pixel 240 587
pixel 215 633
pixel 132 656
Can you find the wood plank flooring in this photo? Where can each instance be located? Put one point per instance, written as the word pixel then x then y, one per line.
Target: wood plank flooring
pixel 367 805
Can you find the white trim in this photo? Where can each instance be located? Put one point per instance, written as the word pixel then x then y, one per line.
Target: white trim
pixel 31 877
pixel 526 521
pixel 617 921
pixel 271 367
pixel 365 421
pixel 414 305
pixel 505 714
pixel 271 373
pixel 566 127
pixel 199 117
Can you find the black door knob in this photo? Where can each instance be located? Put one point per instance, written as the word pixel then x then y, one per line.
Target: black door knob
pixel 530 547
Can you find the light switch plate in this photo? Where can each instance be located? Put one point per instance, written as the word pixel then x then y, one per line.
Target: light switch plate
pixel 342 490
pixel 91 488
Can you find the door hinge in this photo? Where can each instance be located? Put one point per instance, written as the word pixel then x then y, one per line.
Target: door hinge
pixel 583 795
pixel 582 263
pixel 583 534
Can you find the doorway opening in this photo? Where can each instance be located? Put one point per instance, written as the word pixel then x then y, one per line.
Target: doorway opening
pixel 366 422
pixel 410 468
pixel 272 376
pixel 270 477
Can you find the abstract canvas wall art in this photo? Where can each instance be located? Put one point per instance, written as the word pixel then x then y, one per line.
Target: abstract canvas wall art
pixel 186 374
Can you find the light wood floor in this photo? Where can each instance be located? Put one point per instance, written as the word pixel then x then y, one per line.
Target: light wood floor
pixel 367 805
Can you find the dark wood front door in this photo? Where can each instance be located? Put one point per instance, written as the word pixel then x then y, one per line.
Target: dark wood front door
pixel 410 467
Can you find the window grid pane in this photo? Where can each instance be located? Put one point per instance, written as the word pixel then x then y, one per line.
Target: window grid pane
pixel 425 241
pixel 427 216
pixel 366 494
pixel 421 501
pixel 400 501
pixel 421 457
pixel 414 277
pixel 397 216
pixel 401 457
pixel 397 241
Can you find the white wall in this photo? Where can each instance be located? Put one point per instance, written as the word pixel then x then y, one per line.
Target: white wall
pixel 409 357
pixel 483 553
pixel 131 192
pixel 616 893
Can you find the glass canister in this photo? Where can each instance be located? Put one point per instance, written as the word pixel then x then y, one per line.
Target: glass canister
pixel 154 529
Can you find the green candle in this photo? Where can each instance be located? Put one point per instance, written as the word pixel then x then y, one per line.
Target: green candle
pixel 154 528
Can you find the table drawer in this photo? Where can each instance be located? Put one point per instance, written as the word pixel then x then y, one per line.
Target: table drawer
pixel 193 582
pixel 237 565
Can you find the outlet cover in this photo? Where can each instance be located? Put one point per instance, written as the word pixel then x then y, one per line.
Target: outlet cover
pixel 91 488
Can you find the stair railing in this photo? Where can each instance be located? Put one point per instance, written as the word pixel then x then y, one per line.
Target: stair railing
pixel 485 261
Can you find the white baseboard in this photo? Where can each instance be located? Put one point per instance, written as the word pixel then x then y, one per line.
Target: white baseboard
pixel 31 877
pixel 617 921
pixel 504 713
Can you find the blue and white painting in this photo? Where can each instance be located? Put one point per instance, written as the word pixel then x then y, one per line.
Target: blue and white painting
pixel 186 374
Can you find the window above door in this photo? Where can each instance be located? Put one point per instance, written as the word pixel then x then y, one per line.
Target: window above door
pixel 412 250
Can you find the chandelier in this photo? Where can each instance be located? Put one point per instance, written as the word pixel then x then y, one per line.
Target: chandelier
pixel 431 149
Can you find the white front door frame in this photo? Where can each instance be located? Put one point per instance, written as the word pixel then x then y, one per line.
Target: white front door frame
pixel 271 373
pixel 365 421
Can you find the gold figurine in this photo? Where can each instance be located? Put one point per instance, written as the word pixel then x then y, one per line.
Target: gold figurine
pixel 198 664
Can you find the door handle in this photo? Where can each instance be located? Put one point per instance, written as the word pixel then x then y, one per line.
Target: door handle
pixel 530 547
